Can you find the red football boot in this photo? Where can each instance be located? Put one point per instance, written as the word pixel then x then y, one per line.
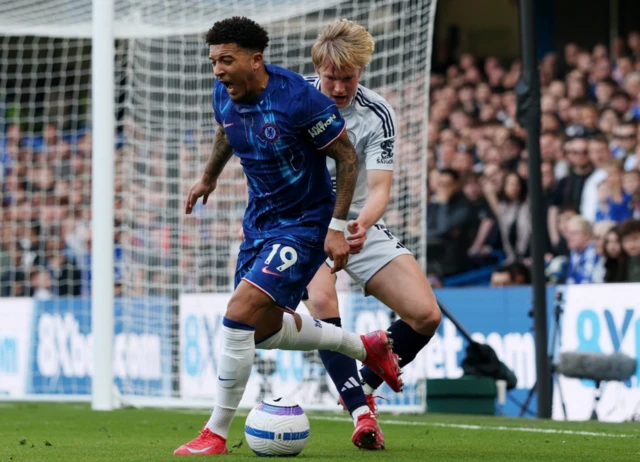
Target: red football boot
pixel 367 434
pixel 207 443
pixel 381 358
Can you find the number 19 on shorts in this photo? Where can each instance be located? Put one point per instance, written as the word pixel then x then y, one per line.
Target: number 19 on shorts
pixel 288 256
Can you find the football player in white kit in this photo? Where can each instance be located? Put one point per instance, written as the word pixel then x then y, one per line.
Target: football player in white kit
pixel 382 266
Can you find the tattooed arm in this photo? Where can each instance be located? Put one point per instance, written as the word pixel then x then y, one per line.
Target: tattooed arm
pixel 220 155
pixel 343 152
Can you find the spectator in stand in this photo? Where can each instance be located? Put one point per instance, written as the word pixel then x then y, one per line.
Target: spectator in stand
pixel 609 119
pixel 41 284
pixel 621 103
pixel 630 237
pixel 551 151
pixel 631 185
pixel 514 274
pixel 623 68
pixel 449 221
pixel 484 241
pixel 583 257
pixel 510 206
pixel 623 146
pixel 604 90
pixel 586 97
pixel 65 273
pixel 617 203
pixel 615 259
pixel 599 153
pixel 463 163
pixel 600 231
pixel 569 190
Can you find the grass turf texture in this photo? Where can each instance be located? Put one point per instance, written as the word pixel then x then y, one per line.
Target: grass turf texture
pixel 48 432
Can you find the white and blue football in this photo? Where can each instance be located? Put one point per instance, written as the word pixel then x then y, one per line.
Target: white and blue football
pixel 277 427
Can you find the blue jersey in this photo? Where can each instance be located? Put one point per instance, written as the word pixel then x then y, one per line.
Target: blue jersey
pixel 277 138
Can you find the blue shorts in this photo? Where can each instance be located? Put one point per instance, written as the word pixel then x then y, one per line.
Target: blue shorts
pixel 281 267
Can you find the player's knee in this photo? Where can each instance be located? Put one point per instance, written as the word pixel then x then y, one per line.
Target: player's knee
pixel 236 311
pixel 323 305
pixel 427 320
pixel 245 308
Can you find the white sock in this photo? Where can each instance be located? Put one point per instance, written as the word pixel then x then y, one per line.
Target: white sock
pixel 314 335
pixel 367 389
pixel 358 412
pixel 220 421
pixel 234 368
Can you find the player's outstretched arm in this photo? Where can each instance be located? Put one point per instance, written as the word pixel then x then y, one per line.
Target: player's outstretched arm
pixel 343 152
pixel 220 155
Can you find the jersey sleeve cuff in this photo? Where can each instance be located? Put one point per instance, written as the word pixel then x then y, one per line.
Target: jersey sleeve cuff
pixel 334 139
pixel 385 167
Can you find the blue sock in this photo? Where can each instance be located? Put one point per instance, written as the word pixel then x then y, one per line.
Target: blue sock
pixel 344 374
pixel 407 343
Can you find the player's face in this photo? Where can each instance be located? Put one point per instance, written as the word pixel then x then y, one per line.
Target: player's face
pixel 236 69
pixel 339 84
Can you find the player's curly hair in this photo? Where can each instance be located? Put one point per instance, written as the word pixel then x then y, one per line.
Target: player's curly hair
pixel 242 31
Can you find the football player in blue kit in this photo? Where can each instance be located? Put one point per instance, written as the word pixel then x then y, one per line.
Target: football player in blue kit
pixel 282 129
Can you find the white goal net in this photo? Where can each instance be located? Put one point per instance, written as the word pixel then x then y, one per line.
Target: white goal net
pixel 173 272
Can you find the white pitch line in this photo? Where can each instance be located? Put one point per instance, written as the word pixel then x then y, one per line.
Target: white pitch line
pixel 500 428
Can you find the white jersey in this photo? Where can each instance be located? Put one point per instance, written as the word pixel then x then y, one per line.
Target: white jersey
pixel 371 128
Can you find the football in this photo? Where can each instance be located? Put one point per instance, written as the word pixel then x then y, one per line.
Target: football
pixel 277 427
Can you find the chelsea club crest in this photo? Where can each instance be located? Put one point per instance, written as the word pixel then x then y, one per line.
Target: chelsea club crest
pixel 270 132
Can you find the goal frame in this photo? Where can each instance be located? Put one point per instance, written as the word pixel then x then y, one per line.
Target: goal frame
pixel 105 30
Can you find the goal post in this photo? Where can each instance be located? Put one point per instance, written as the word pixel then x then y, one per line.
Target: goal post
pixel 97 230
pixel 102 194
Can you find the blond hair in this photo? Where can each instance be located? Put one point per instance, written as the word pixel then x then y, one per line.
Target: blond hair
pixel 581 222
pixel 603 227
pixel 345 44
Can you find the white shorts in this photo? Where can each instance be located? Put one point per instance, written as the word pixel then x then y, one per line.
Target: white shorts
pixel 380 248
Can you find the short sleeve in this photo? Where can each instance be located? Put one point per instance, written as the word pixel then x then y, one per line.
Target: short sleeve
pixel 320 119
pixel 379 149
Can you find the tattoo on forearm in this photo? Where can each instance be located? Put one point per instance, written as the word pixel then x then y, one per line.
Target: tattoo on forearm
pixel 220 155
pixel 346 158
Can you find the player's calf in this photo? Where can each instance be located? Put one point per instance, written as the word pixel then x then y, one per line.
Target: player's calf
pixel 426 320
pixel 344 374
pixel 407 343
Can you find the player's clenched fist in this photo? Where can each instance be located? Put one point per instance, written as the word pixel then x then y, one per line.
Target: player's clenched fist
pixel 337 249
pixel 200 189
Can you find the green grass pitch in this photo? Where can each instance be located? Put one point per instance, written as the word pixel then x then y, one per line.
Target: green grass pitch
pixel 65 432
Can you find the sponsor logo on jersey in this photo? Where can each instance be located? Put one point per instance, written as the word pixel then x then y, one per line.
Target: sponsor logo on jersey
pixel 321 126
pixel 386 157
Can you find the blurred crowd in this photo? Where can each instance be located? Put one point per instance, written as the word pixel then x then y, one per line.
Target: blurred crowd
pixel 46 236
pixel 478 201
pixel 46 212
pixel 478 211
